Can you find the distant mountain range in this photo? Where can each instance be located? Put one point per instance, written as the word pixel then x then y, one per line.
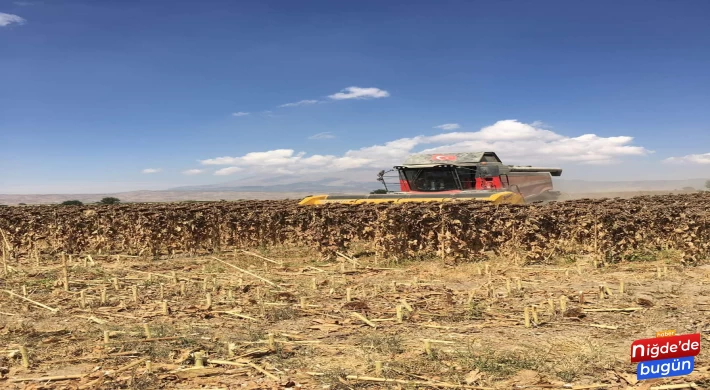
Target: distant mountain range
pixel 340 186
pixel 327 185
pixel 293 188
pixel 579 186
pixel 357 180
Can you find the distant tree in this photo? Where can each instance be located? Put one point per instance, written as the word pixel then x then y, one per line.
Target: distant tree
pixel 22 204
pixel 110 200
pixel 72 203
pixel 707 184
pixel 380 191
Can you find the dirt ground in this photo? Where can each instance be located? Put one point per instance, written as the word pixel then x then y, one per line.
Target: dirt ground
pixel 279 318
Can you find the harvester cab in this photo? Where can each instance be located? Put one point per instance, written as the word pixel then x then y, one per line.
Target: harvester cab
pixel 457 176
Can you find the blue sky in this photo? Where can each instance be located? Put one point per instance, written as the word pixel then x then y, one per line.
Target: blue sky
pixel 95 92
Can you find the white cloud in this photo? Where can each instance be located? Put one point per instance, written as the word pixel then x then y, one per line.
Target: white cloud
pixel 541 125
pixel 193 171
pixel 228 171
pixel 324 135
pixel 8 19
pixel 272 157
pixel 359 93
pixel 299 103
pixel 268 113
pixel 448 126
pixel 152 170
pixel 515 143
pixel 690 159
pixel 240 113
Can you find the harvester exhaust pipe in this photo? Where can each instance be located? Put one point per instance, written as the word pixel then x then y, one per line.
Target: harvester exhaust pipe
pixel 552 171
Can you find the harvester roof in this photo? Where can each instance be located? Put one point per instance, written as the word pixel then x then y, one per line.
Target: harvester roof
pixel 470 159
pixel 459 159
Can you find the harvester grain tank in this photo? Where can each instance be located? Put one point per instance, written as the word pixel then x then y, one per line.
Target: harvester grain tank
pixel 478 176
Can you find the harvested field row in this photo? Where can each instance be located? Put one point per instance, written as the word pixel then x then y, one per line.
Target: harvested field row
pixel 277 319
pixel 614 229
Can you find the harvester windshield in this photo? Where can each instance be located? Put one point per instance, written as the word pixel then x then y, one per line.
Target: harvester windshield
pixel 432 179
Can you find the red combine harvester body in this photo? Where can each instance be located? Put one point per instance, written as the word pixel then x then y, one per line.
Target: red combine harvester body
pixel 479 171
pixel 479 176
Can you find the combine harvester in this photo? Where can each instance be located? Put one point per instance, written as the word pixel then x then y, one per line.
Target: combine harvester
pixel 455 177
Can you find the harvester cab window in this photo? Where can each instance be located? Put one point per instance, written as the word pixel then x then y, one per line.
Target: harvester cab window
pixel 431 179
pixel 467 177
